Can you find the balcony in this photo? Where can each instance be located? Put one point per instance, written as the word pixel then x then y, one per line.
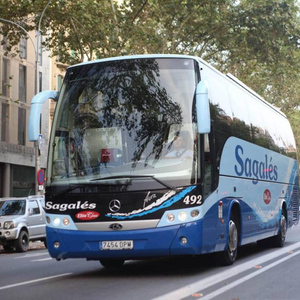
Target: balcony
pixel 17 154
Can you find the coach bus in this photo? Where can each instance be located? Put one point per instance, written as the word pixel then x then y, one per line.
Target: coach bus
pixel 163 155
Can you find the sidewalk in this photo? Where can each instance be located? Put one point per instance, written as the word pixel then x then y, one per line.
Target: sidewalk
pixel 36 245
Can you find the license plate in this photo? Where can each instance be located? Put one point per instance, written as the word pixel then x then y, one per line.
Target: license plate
pixel 116 245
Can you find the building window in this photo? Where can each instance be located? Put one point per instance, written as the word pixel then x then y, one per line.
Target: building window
pixel 40 81
pixel 23 47
pixel 40 51
pixel 23 179
pixel 22 126
pixel 5 77
pixel 22 83
pixel 3 121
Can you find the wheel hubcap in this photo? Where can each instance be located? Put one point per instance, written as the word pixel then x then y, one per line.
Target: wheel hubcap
pixel 233 236
pixel 283 227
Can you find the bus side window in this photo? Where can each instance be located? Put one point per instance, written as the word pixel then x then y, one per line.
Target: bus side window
pixel 207 163
pixel 210 181
pixel 60 156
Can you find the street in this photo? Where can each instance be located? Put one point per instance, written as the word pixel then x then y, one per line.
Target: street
pixel 259 273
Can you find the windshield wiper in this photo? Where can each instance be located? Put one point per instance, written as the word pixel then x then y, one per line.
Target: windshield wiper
pixel 84 185
pixel 137 177
pixel 74 187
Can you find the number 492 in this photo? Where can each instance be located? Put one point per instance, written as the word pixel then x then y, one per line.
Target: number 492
pixel 193 199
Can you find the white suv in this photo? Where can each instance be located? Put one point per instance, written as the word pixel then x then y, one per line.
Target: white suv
pixel 22 220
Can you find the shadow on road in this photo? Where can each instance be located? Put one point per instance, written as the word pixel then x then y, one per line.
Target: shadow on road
pixel 32 246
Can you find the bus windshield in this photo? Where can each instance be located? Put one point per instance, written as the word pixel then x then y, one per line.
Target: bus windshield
pixel 126 119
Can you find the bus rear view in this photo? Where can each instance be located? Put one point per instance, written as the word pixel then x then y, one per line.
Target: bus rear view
pixel 135 166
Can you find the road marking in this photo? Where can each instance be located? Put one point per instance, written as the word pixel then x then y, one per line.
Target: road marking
pixel 245 278
pixel 31 255
pixel 32 281
pixel 42 259
pixel 229 272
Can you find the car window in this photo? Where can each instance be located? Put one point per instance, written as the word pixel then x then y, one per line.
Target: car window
pixel 35 207
pixel 42 201
pixel 12 207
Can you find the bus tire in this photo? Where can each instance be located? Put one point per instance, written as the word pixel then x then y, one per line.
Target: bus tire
pixel 111 263
pixel 22 243
pixel 279 239
pixel 228 257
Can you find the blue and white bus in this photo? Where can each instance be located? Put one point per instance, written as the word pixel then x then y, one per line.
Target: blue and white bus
pixel 162 155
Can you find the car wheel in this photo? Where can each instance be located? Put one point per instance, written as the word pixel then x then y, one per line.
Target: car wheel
pixel 22 243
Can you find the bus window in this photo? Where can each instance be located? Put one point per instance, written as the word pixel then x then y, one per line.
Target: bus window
pixel 60 156
pixel 241 126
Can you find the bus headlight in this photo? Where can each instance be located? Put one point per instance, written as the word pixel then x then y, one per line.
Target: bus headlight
pixel 194 213
pixel 171 217
pixel 66 221
pixel 182 216
pixel 56 221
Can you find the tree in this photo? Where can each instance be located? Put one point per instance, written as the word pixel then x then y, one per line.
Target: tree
pixel 228 33
pixel 17 12
pixel 82 30
pixel 257 41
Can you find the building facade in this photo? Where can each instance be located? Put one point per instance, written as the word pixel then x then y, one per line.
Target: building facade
pixel 18 161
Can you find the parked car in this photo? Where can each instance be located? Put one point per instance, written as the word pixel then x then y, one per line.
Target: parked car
pixel 22 220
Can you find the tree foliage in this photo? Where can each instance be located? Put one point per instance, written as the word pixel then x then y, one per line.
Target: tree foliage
pixel 257 41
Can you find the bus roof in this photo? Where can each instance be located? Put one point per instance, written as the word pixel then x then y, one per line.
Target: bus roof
pixel 128 57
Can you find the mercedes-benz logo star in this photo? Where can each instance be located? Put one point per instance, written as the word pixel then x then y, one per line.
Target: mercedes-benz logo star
pixel 114 205
pixel 115 226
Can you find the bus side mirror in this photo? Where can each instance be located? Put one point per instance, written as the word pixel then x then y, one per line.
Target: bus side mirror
pixel 202 106
pixel 35 112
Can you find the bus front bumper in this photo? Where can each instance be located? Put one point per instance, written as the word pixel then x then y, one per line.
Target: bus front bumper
pixel 184 239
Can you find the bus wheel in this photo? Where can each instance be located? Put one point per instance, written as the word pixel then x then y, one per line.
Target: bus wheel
pixel 112 263
pixel 279 239
pixel 227 257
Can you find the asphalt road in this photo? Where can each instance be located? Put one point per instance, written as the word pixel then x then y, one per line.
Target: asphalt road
pixel 259 273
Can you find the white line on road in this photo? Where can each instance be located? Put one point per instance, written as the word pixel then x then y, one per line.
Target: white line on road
pixel 32 281
pixel 42 259
pixel 32 255
pixel 245 278
pixel 229 272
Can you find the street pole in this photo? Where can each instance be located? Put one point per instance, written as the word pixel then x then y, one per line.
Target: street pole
pixel 38 37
